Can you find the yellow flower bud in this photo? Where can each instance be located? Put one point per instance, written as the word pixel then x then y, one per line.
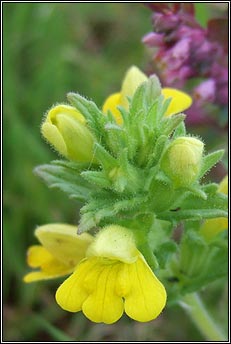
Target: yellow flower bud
pixel 65 128
pixel 182 160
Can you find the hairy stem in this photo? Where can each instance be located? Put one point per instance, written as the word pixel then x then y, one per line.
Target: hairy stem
pixel 208 327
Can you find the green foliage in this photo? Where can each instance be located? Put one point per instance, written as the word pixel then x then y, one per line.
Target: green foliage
pixel 199 263
pixel 126 182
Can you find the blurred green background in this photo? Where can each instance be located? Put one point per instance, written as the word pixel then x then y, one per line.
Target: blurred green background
pixel 50 49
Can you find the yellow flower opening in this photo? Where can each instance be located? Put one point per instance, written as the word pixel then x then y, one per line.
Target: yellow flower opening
pixel 61 250
pixel 212 227
pixel 65 128
pixel 112 279
pixel 133 79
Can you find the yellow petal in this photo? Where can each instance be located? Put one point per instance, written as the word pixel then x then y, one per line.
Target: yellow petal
pixel 223 186
pixel 50 129
pixel 64 109
pixel 78 138
pixel 111 104
pixel 37 255
pixel 133 79
pixel 114 242
pixel 147 296
pixel 52 135
pixel 180 101
pixel 57 271
pixel 124 282
pixel 50 267
pixel 62 241
pixel 104 305
pixel 71 294
pixel 212 227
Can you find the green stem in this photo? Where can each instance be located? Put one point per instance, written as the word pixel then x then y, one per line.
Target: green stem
pixel 201 318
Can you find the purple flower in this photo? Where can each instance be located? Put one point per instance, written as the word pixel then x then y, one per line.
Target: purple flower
pixel 185 50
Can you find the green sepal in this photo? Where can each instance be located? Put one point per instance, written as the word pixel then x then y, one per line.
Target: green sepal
pixel 170 123
pixel 145 96
pixel 107 161
pixel 65 176
pixel 95 118
pixel 152 90
pixel 179 131
pixel 159 147
pixel 209 161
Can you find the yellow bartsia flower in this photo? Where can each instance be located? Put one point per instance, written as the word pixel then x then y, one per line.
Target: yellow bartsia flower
pixel 60 251
pixel 112 279
pixel 212 227
pixel 133 79
pixel 65 128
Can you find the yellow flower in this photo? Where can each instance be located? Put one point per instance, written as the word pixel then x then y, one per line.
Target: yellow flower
pixel 182 160
pixel 133 79
pixel 212 227
pixel 61 250
pixel 65 128
pixel 112 279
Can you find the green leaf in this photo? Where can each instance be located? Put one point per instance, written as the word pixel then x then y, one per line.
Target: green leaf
pixel 210 160
pixel 137 102
pixel 170 123
pixel 158 150
pixel 193 207
pixel 145 95
pixel 105 206
pixel 201 263
pixel 98 178
pixel 193 214
pixel 104 157
pixel 197 191
pixel 165 252
pixel 180 130
pixel 65 177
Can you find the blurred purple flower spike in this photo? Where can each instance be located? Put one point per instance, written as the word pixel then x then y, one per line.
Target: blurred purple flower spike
pixel 185 50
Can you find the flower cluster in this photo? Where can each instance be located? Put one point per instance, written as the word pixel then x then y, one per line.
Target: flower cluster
pixel 186 50
pixel 137 173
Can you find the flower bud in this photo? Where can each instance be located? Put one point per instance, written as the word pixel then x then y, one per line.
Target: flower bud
pixel 65 128
pixel 182 160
